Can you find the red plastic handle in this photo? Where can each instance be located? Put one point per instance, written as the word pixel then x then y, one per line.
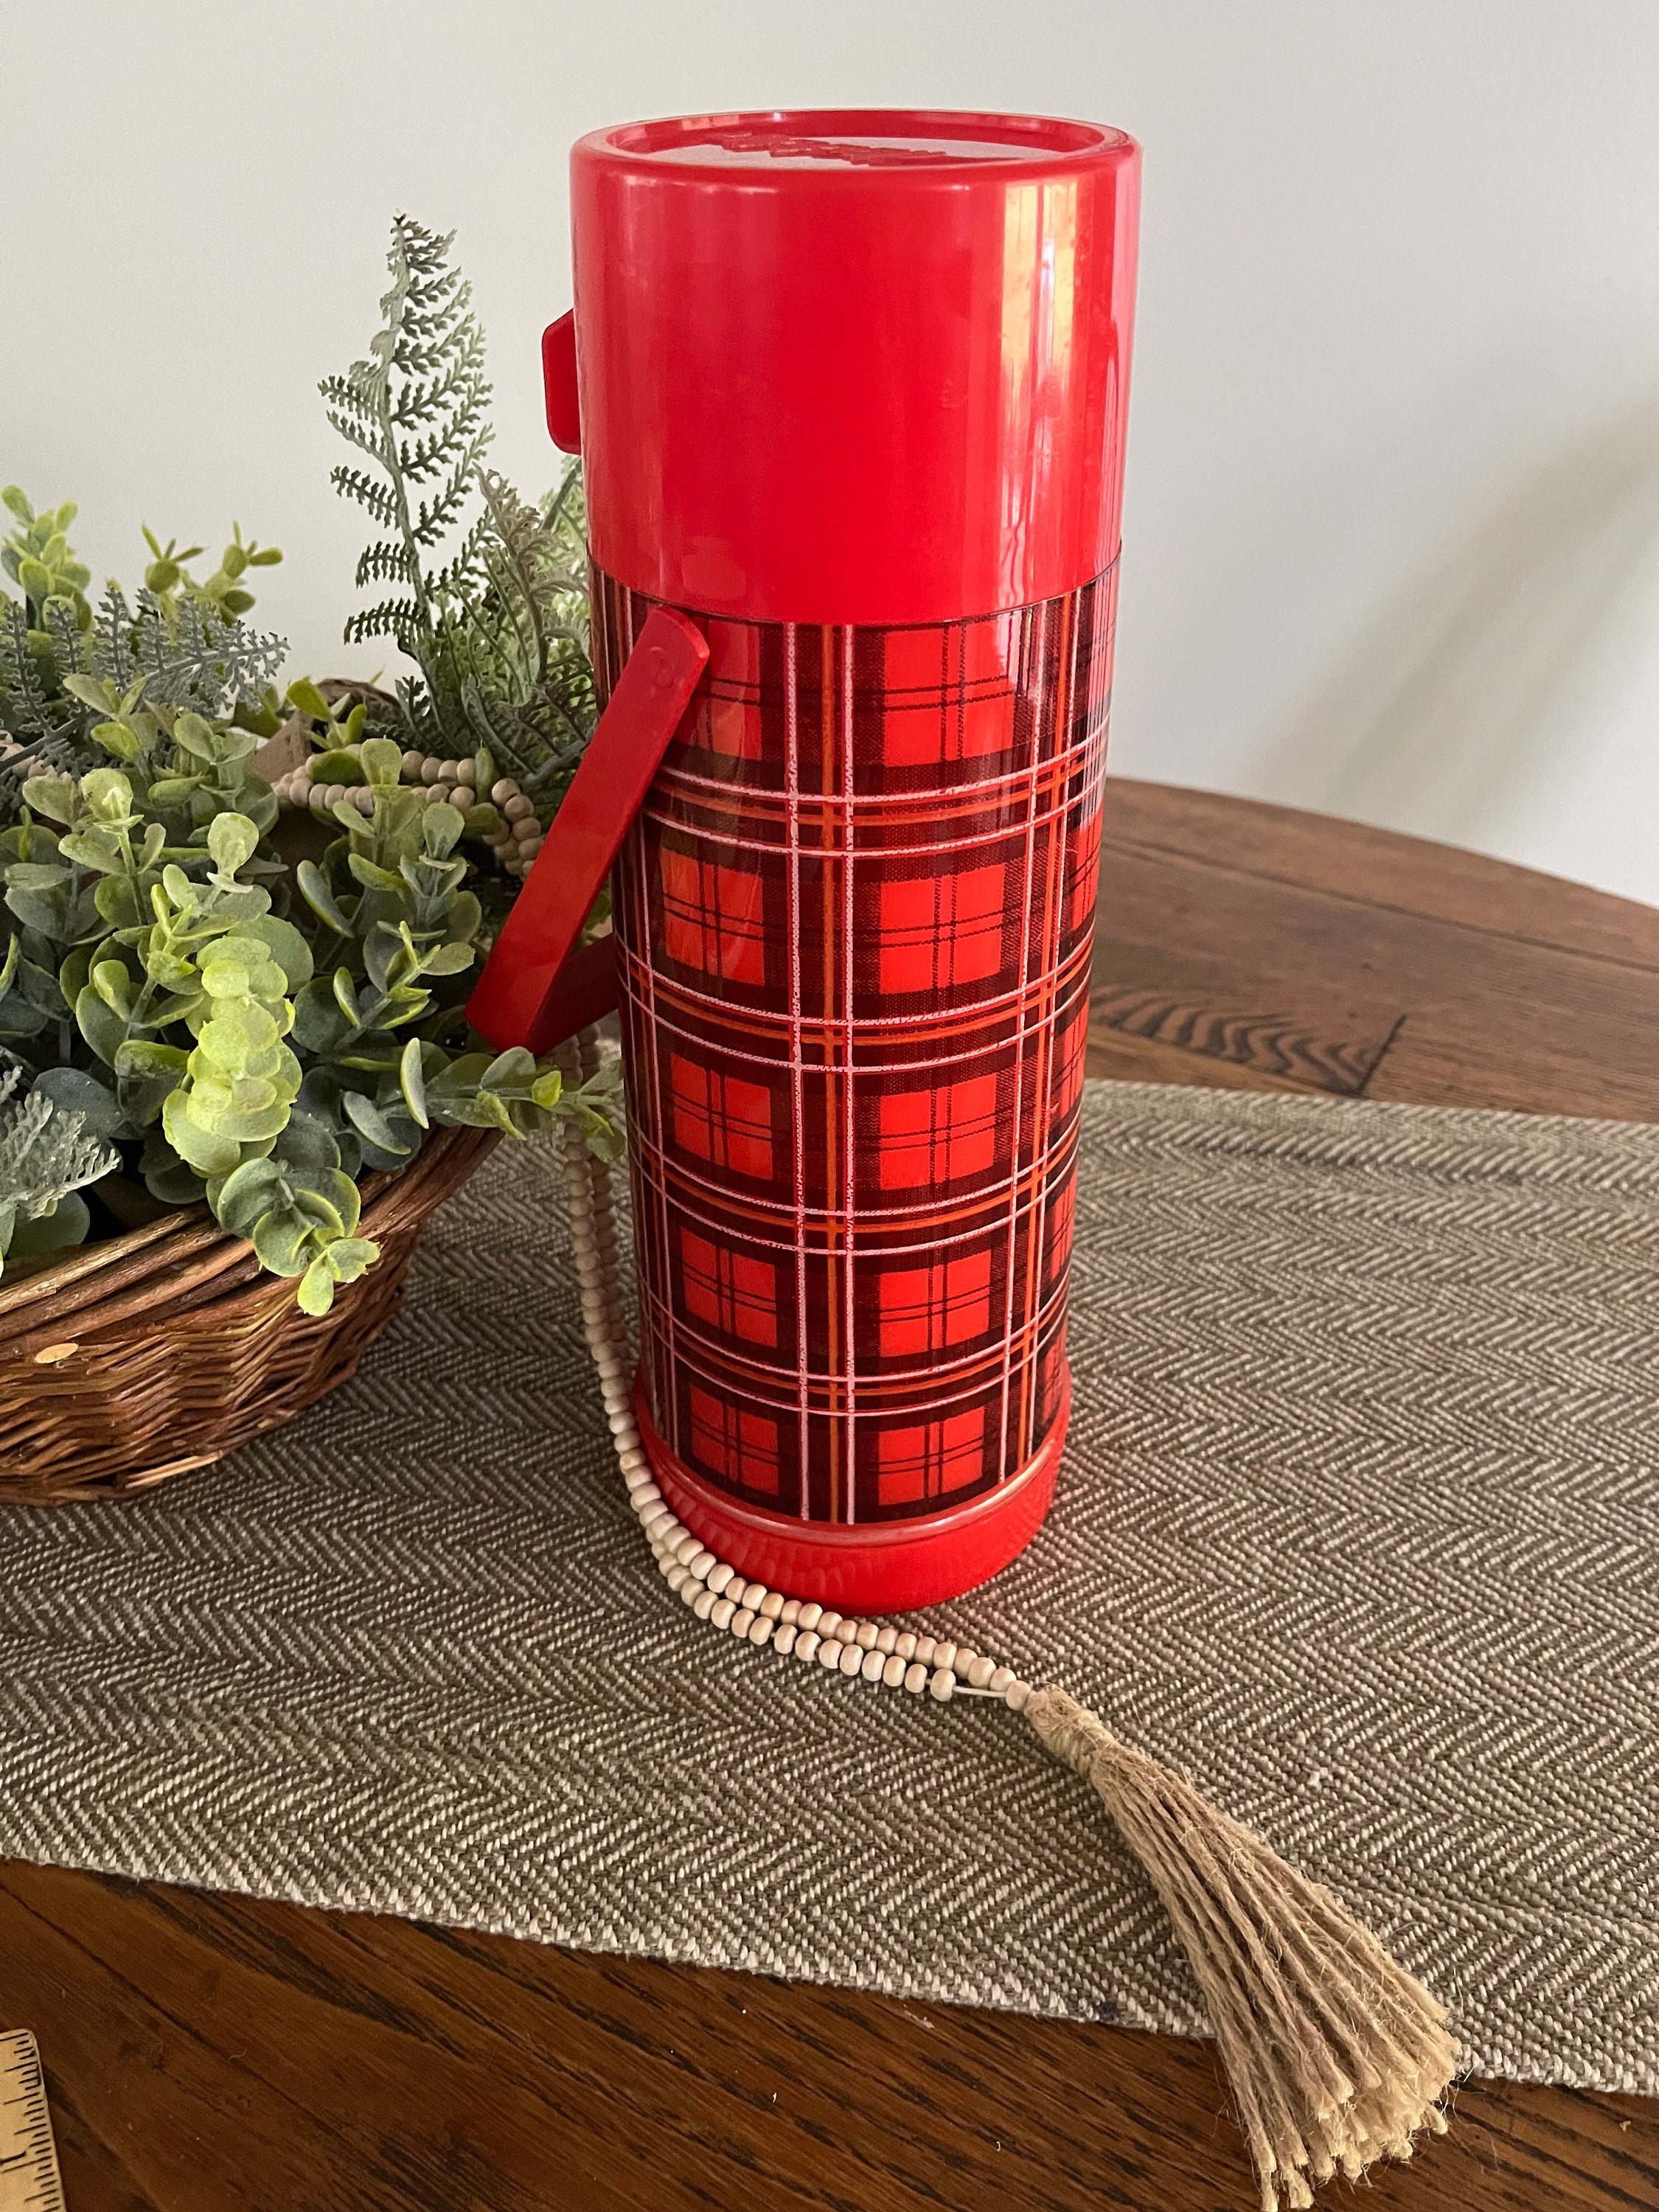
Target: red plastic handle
pixel 564 415
pixel 538 987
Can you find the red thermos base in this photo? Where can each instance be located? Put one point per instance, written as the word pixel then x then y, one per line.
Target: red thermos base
pixel 884 1567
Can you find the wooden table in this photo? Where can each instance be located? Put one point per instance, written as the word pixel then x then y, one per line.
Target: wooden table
pixel 203 2052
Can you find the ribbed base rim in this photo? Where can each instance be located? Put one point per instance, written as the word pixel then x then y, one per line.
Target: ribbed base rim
pixel 885 1566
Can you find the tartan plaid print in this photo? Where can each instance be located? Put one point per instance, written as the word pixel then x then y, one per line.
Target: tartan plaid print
pixel 854 919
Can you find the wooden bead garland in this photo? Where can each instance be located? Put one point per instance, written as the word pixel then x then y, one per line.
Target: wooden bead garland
pixel 710 1586
pixel 1337 2056
pixel 516 843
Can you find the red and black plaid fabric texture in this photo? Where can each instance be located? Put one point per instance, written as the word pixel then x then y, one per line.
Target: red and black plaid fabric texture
pixel 854 919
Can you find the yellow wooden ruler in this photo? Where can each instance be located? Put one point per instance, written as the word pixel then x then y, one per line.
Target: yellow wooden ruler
pixel 28 2157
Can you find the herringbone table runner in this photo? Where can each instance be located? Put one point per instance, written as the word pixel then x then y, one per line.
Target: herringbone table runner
pixel 1357 1523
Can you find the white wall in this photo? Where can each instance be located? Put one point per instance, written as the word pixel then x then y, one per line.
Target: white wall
pixel 1393 527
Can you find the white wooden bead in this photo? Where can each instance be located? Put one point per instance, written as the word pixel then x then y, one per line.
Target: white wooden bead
pixel 999 1678
pixel 700 1563
pixel 677 1574
pixel 873 1663
pixel 645 1494
pixel 517 808
pixel 365 799
pixel 789 1613
pixel 704 1603
pixel 722 1615
pixel 906 1646
pixel 742 1621
pixel 852 1659
pixel 1017 1696
pixel 828 1623
pixel 691 1589
pixel 942 1683
pixel 784 1638
pixel 944 1654
pixel 915 1678
pixel 688 1548
pixel 449 769
pixel 431 769
pixel 466 771
pixel 980 1673
pixel 752 1594
pixel 337 792
pixel 865 1636
pixel 964 1658
pixel 806 1646
pixel 886 1641
pixel 717 1576
pixel 761 1632
pixel 924 1649
pixel 501 792
pixel 810 1615
pixel 829 1652
pixel 772 1605
pixel 892 1671
pixel 411 763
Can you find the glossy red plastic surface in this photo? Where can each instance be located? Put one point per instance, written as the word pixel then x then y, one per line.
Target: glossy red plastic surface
pixel 853 367
pixel 890 1568
pixel 517 1000
pixel 564 420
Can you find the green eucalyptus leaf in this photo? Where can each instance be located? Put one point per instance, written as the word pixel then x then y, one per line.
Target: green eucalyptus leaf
pixel 447 959
pixel 208 1154
pixel 337 766
pixel 113 985
pixel 104 1031
pixel 320 1027
pixel 372 876
pixel 247 1192
pixel 109 795
pixel 307 1144
pixel 282 1240
pixel 513 1068
pixel 411 1081
pixel 166 1177
pixel 141 1058
pixel 382 761
pixel 304 696
pixel 76 1092
pixel 286 945
pixel 232 838
pixel 52 796
pixel 373 1125
pixel 316 1291
pixel 313 889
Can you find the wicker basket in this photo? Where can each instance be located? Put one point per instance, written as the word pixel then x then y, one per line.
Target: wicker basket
pixel 129 1361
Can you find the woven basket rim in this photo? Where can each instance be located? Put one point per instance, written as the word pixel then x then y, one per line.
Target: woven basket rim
pixel 389 1198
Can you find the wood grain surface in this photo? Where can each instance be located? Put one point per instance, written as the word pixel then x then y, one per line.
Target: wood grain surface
pixel 203 2052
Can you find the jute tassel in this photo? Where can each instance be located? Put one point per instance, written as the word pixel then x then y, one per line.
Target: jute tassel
pixel 1336 2055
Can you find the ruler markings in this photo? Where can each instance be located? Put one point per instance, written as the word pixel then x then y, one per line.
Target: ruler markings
pixel 29 2180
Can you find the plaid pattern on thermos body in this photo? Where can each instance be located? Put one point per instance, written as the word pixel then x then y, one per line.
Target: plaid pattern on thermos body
pixel 854 921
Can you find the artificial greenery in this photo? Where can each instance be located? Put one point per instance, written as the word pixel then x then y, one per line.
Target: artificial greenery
pixel 186 640
pixel 234 1054
pixel 183 1002
pixel 47 1154
pixel 488 592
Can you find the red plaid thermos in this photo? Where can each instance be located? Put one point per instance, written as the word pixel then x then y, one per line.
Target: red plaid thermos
pixel 851 408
